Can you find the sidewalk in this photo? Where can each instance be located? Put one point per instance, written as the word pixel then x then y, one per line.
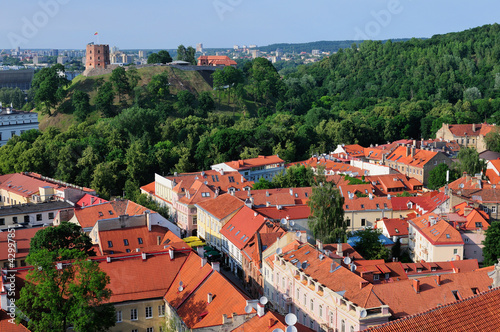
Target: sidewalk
pixel 234 280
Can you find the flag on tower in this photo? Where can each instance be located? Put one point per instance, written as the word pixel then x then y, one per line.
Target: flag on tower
pixel 95 34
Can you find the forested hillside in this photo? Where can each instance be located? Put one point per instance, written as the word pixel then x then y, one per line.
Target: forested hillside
pixel 126 128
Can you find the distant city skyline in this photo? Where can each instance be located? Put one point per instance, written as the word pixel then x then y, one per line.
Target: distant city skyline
pixel 71 24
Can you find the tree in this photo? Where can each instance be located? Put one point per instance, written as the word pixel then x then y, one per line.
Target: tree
pixel 158 88
pixel 120 82
pixel 437 176
pixel 160 57
pixel 491 250
pixel 65 288
pixel 181 53
pixel 368 244
pixel 104 99
pixel 469 162
pixel 190 55
pixel 49 84
pixel 81 104
pixel 327 213
pixel 493 141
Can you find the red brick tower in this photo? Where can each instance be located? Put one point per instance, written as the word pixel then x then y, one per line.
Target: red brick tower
pixel 97 56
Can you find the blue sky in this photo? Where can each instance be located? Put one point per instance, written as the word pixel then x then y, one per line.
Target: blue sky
pixel 154 24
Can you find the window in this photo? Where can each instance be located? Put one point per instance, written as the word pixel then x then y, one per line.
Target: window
pixel 51 215
pixel 348 222
pixel 139 239
pixel 127 250
pixel 161 310
pixel 135 330
pixel 110 244
pixel 455 251
pixel 14 220
pixel 149 312
pixel 101 214
pixel 13 133
pixel 321 311
pixel 376 277
pixel 342 326
pixel 39 217
pixel 2 221
pixel 110 212
pixel 133 314
pixel 26 219
pixel 456 294
pixel 363 222
pixel 493 209
pixel 312 305
pixel 118 316
pixel 305 300
pixel 149 329
pixel 351 328
pixel 125 242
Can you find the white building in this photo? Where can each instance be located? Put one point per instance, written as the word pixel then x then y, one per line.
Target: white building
pixel 14 122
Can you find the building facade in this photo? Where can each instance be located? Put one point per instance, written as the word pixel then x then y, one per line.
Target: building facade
pixel 13 122
pixel 97 56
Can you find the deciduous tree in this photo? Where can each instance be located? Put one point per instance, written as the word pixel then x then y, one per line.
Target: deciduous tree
pixel 491 250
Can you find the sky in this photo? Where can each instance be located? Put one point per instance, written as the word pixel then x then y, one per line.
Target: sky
pixel 165 24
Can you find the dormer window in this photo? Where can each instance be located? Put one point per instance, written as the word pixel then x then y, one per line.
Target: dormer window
pixel 110 244
pixel 101 214
pixel 376 277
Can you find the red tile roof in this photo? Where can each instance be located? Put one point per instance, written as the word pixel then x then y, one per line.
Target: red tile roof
pixel 419 159
pixel 441 233
pixel 255 162
pixel 391 183
pixel 331 167
pixel 88 200
pixel 6 324
pixel 281 196
pixel 22 238
pixel 404 300
pixel 367 203
pixel 215 60
pixel 268 323
pixel 134 279
pixel 347 251
pixel 421 204
pixel 130 238
pixel 221 206
pixel 191 303
pixel 88 216
pixel 428 268
pixel 396 226
pixel 242 226
pixel 462 130
pixel 374 153
pixel 475 313
pixel 296 212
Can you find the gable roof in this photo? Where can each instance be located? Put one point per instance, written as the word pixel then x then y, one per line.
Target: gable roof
pixel 436 230
pixel 274 197
pixel 22 237
pixel 129 238
pixel 268 323
pixel 396 226
pixel 296 212
pixel 89 215
pixel 419 159
pixel 463 130
pixel 254 162
pixel 221 206
pixel 367 203
pixel 88 200
pixel 242 226
pixel 475 313
pixel 421 204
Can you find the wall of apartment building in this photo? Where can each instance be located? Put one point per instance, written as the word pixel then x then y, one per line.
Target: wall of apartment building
pixel 423 249
pixel 473 247
pixel 439 158
pixel 370 217
pixel 34 218
pixel 8 198
pixel 142 322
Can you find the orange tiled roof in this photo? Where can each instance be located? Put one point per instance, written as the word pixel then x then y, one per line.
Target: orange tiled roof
pixel 441 233
pixel 404 300
pixel 280 196
pixel 221 206
pixel 88 200
pixel 419 159
pixel 347 250
pixel 462 130
pixel 296 212
pixel 396 226
pixel 254 162
pixel 422 204
pixel 243 225
pixel 130 238
pixel 7 326
pixel 367 203
pixel 374 153
pixel 268 323
pixel 475 313
pixel 389 183
pixel 467 183
pixel 428 268
pixel 214 60
pixel 331 167
pixel 88 216
pixel 22 238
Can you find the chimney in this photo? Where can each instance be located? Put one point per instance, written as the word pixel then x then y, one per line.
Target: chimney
pixel 171 253
pixel 408 150
pixel 413 151
pixel 203 261
pixel 210 297
pixel 158 240
pixel 267 193
pixel 143 256
pixel 319 245
pixel 242 179
pixel 291 191
pixel 416 285
pixel 473 127
pixel 260 309
pixel 362 284
pixel 438 280
pixel 456 270
pixel 200 251
pixel 216 266
pixel 339 250
pixel 108 259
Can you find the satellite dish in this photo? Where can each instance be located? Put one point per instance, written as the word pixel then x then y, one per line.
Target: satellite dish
pixel 180 289
pixel 290 319
pixel 248 309
pixel 292 223
pixel 353 267
pixel 297 234
pixel 283 221
pixel 347 260
pixel 279 251
pixel 291 329
pixel 394 238
pixel 363 313
pixel 277 330
pixel 304 265
pixel 181 283
pixel 263 300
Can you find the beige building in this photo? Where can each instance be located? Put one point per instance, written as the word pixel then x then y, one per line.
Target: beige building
pixel 30 215
pixel 466 135
pixel 432 239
